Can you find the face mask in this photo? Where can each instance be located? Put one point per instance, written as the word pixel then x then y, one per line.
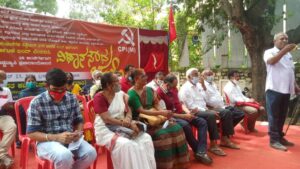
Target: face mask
pixel 117 88
pixel 159 82
pixel 98 82
pixel 235 81
pixel 210 79
pixel 57 96
pixel 69 82
pixel 195 80
pixel 4 83
pixel 31 85
pixel 130 78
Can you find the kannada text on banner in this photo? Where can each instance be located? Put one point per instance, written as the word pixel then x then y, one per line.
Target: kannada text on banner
pixel 32 43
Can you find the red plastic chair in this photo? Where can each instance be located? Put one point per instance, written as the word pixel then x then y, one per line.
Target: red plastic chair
pixel 227 100
pixel 90 132
pixel 83 102
pixel 12 147
pixel 26 141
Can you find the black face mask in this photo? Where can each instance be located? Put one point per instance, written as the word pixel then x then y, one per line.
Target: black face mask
pixel 69 82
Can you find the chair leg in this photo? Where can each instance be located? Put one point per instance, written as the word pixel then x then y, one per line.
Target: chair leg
pixel 95 162
pixel 246 124
pixel 13 149
pixel 109 161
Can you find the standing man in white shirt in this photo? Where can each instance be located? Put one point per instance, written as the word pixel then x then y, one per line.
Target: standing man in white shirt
pixel 248 105
pixel 280 84
pixel 7 123
pixel 193 95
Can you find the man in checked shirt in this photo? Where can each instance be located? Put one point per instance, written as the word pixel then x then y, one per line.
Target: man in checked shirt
pixel 55 121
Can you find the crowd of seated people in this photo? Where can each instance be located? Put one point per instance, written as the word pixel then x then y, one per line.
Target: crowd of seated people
pixel 131 121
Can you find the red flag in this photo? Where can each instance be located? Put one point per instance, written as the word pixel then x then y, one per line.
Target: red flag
pixel 155 62
pixel 172 29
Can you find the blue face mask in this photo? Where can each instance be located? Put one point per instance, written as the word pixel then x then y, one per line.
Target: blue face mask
pixel 31 85
pixel 4 83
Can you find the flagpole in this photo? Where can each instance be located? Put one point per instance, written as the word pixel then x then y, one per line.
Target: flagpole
pixel 172 33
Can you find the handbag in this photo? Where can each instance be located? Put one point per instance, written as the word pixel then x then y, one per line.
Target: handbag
pixel 152 120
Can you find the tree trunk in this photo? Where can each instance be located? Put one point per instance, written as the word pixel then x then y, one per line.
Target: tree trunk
pixel 258 70
pixel 255 43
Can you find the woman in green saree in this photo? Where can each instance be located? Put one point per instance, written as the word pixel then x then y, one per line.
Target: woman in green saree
pixel 171 150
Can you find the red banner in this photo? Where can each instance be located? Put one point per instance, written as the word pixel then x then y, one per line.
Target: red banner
pixel 35 43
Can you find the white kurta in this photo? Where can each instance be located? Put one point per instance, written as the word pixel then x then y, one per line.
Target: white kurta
pixel 135 153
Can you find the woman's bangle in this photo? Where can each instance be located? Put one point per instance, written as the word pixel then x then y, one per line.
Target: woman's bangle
pixel 47 137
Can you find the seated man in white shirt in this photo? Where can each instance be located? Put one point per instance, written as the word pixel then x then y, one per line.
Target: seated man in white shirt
pixel 7 123
pixel 157 81
pixel 214 101
pixel 234 93
pixel 193 95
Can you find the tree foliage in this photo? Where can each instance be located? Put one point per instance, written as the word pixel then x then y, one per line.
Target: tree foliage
pixel 11 3
pixel 135 13
pixel 37 6
pixel 45 6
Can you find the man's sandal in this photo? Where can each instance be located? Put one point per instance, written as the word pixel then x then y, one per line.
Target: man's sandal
pixel 217 151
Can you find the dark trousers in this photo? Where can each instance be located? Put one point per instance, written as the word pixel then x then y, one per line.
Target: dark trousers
pixel 199 145
pixel 237 115
pixel 210 118
pixel 226 121
pixel 277 107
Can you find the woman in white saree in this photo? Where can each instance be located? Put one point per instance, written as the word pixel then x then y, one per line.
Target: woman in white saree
pixel 133 152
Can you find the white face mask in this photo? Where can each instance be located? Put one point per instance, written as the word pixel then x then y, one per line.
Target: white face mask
pixel 4 83
pixel 235 81
pixel 195 80
pixel 98 82
pixel 159 82
pixel 210 79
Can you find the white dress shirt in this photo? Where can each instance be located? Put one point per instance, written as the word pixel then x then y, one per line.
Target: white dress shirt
pixel 153 85
pixel 234 93
pixel 5 96
pixel 214 98
pixel 193 96
pixel 280 76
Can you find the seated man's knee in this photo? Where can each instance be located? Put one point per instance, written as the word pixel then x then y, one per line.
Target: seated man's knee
pixel 251 110
pixel 262 109
pixel 11 128
pixel 201 122
pixel 227 113
pixel 64 159
pixel 183 123
pixel 91 153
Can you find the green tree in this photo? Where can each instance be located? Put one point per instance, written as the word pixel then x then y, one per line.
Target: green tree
pixel 135 13
pixel 45 6
pixel 254 19
pixel 11 3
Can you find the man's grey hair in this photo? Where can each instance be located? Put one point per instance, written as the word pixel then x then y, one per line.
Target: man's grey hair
pixel 189 72
pixel 277 35
pixel 95 72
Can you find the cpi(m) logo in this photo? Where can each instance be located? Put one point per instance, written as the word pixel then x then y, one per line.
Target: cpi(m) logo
pixel 127 37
